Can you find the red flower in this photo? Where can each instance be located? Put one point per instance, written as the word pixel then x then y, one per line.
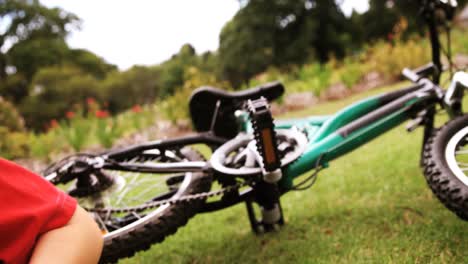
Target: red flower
pixel 101 113
pixel 90 101
pixel 136 109
pixel 53 123
pixel 70 114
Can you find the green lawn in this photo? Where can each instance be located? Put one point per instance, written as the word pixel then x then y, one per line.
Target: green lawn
pixel 371 206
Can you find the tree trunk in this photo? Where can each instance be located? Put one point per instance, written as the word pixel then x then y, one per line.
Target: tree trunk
pixel 3 65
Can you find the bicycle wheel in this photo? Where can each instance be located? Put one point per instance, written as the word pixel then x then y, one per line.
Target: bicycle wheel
pixel 127 228
pixel 446 165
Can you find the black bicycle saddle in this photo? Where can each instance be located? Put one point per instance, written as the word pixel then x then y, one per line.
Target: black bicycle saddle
pixel 203 105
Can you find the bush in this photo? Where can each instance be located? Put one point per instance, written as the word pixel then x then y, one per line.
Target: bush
pixel 108 130
pixel 175 107
pixel 139 85
pixel 314 77
pixel 77 132
pixel 351 73
pixel 9 117
pixel 13 144
pixel 391 59
pixel 90 63
pixel 54 91
pixel 14 88
pixel 44 145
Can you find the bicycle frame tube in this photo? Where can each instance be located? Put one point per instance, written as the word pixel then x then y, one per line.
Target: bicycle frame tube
pixel 206 138
pixel 183 166
pixel 159 146
pixel 435 45
pixel 357 125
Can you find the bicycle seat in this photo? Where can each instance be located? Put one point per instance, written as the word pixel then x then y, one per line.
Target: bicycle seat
pixel 204 99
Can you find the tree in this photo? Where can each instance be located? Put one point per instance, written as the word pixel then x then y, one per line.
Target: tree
pixel 379 20
pixel 14 88
pixel 278 33
pixel 89 62
pixel 173 70
pixel 25 20
pixel 331 35
pixel 29 56
pixel 56 90
pixel 246 43
pixel 138 85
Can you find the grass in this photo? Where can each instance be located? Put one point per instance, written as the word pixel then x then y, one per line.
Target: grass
pixel 370 206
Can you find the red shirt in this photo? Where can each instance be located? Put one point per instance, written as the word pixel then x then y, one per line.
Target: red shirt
pixel 29 207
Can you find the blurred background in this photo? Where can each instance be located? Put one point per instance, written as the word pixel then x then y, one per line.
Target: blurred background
pixel 83 74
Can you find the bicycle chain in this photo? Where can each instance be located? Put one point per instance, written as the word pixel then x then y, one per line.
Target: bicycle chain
pixel 185 198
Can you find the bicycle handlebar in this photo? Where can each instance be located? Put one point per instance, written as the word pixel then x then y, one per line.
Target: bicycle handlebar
pixel 421 72
pixel 419 76
pixel 411 75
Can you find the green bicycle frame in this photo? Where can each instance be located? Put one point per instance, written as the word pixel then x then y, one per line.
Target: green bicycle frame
pixel 333 136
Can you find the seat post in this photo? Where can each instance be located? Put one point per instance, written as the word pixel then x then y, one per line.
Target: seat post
pixel 215 116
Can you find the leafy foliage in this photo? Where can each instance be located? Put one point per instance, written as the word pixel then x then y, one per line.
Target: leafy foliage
pixel 265 33
pixel 351 72
pixel 108 130
pixel 89 63
pixel 174 70
pixel 54 90
pixel 79 135
pixel 9 117
pixel 45 145
pixel 138 85
pixel 175 107
pixel 13 140
pixel 391 59
pixel 13 144
pixel 14 88
pixel 29 20
pixel 30 56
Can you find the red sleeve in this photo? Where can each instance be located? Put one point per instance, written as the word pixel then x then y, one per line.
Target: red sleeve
pixel 29 206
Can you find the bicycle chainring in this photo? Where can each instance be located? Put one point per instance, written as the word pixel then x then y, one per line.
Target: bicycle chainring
pixel 240 156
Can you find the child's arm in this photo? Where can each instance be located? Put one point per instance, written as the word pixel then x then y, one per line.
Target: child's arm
pixel 79 241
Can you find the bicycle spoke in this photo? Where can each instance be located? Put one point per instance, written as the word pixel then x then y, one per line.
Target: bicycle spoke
pixel 136 215
pixel 141 194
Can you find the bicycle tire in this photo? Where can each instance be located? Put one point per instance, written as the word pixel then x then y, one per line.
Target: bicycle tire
pixel 440 170
pixel 156 224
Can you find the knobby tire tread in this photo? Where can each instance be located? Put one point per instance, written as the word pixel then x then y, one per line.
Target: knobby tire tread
pixel 443 183
pixel 156 229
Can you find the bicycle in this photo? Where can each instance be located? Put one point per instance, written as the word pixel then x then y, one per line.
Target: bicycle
pixel 256 162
